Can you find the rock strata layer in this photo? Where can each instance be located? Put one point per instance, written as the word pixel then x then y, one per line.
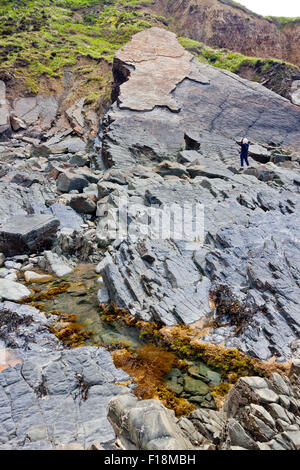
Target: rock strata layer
pixel 258 414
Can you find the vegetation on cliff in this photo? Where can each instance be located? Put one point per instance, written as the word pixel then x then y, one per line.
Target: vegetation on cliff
pixel 41 37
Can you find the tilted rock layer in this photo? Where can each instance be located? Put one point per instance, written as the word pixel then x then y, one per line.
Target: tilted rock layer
pixel 215 102
pixel 225 24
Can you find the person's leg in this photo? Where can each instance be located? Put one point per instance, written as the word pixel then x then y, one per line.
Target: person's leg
pixel 242 162
pixel 246 160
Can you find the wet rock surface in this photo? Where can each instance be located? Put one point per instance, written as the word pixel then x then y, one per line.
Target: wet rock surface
pixel 145 425
pixel 258 414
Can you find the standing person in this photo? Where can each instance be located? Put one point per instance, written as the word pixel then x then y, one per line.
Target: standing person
pixel 244 144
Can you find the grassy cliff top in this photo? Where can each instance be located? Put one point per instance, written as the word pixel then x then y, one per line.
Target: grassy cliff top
pixel 42 38
pixel 282 21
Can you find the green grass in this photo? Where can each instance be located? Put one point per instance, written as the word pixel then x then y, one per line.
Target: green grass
pixel 223 58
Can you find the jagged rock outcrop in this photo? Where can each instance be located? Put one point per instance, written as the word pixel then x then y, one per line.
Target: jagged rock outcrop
pixel 145 425
pixel 249 220
pixel 258 414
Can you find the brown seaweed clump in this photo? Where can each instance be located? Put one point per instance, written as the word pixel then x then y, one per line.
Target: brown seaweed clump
pixel 149 365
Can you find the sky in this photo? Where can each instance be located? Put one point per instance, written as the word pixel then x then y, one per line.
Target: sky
pixel 273 7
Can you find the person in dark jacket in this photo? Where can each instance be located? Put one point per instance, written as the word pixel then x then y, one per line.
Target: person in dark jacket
pixel 244 144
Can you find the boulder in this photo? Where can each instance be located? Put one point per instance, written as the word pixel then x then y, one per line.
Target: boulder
pixel 79 159
pixel 17 123
pixel 31 276
pixel 259 153
pixel 10 290
pixel 145 425
pixel 68 181
pixel 83 203
pixel 27 233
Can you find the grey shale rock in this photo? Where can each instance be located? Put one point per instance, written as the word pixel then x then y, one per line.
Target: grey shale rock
pixel 145 424
pixel 56 265
pixel 244 422
pixel 214 104
pixel 249 220
pixel 27 233
pixel 68 181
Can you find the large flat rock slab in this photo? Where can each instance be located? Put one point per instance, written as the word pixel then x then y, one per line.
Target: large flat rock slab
pixel 50 396
pixel 43 404
pixel 27 233
pixel 156 63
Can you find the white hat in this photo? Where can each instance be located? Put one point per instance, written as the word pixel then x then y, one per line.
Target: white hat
pixel 245 141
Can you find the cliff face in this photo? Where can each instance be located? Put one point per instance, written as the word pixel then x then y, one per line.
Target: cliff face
pixel 291 33
pixel 220 23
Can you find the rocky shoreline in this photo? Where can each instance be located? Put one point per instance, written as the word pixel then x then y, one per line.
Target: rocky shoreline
pixel 168 140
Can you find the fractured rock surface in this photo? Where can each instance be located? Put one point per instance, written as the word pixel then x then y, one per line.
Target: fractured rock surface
pixel 27 233
pixel 52 396
pixel 258 414
pixel 156 63
pixel 249 241
pixel 219 105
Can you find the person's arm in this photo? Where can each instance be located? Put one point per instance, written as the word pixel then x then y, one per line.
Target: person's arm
pixel 239 143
